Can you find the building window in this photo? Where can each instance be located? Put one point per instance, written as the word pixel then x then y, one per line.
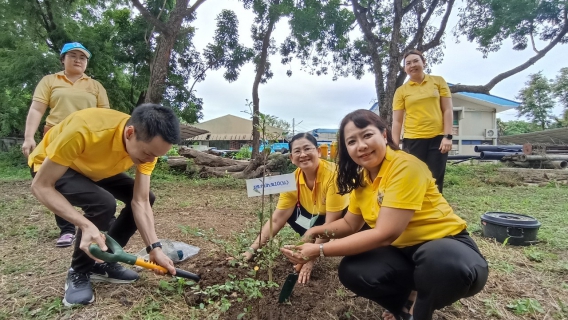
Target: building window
pixel 456 118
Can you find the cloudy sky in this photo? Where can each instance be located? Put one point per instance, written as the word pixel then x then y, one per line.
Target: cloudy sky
pixel 319 102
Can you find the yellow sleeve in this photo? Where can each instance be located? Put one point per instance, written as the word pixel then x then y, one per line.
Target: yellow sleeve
pixel 444 88
pixel 42 91
pixel 287 200
pixel 102 98
pixel 147 168
pixel 353 205
pixel 334 201
pixel 67 146
pixel 406 185
pixel 398 100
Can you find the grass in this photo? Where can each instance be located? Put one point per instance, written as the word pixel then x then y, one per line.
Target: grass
pixel 525 282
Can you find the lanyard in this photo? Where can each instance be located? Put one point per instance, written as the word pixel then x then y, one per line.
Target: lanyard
pixel 314 190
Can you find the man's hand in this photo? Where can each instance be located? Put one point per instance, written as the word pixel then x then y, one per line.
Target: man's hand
pixel 28 146
pixel 159 257
pixel 445 145
pixel 91 234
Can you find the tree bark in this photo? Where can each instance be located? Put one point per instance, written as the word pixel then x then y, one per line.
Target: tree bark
pixel 260 68
pixel 169 32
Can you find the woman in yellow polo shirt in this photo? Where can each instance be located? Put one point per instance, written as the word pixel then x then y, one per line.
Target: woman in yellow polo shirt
pixel 315 202
pixel 64 93
pixel 424 104
pixel 416 242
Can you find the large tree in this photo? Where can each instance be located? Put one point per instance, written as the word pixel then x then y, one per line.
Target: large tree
pixel 391 28
pixel 171 22
pixel 536 100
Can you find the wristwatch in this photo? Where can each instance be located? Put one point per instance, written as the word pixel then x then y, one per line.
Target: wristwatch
pixel 321 250
pixel 153 246
pixel 448 136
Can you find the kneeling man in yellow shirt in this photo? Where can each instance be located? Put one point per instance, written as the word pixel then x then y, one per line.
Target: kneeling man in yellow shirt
pixel 81 162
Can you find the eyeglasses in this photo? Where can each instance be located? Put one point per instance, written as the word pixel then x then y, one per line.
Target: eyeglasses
pixel 306 150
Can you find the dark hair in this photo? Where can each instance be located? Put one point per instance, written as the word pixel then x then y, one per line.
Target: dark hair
pixel 151 120
pixel 413 51
pixel 348 172
pixel 300 136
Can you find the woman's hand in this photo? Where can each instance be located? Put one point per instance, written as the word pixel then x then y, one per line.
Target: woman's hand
pixel 445 145
pixel 301 254
pixel 305 272
pixel 159 257
pixel 28 146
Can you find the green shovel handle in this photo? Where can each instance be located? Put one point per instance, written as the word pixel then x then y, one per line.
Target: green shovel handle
pixel 115 253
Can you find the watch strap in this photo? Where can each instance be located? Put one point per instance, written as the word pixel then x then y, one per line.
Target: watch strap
pixel 153 246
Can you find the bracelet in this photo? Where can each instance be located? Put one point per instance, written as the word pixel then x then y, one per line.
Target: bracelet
pixel 321 250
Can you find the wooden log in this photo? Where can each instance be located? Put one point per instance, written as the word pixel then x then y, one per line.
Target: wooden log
pixel 209 160
pixel 178 163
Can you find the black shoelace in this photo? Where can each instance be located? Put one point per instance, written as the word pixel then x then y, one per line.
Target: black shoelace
pixel 78 279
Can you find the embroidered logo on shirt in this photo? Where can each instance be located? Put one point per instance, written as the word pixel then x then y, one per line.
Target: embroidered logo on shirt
pixel 380 197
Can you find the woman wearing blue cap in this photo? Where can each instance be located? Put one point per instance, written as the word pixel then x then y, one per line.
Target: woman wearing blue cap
pixel 64 93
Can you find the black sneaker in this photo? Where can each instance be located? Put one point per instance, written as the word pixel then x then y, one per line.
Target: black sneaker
pixel 112 272
pixel 78 289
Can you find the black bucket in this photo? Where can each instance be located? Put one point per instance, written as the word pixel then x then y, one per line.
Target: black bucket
pixel 521 230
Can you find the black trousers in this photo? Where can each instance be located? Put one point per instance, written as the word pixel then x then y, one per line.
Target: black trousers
pixel 428 150
pixel 98 201
pixel 441 271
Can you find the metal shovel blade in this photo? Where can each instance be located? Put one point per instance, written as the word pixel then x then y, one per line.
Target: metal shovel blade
pixel 289 284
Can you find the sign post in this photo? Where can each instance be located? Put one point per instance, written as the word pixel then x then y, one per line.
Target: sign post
pixel 272 185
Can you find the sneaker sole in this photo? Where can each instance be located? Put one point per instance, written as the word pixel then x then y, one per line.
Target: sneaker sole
pixel 67 304
pixel 100 278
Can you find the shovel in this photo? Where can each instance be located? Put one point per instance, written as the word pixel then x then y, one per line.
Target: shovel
pixel 289 284
pixel 118 255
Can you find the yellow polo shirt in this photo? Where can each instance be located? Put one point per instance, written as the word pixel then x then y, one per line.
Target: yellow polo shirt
pixel 421 103
pixel 65 97
pixel 323 198
pixel 90 142
pixel 404 182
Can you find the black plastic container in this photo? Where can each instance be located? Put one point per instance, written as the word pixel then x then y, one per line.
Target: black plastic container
pixel 520 229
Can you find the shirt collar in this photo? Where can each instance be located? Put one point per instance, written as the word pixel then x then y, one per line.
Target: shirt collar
pixel 117 142
pixel 389 155
pixel 62 74
pixel 319 174
pixel 426 79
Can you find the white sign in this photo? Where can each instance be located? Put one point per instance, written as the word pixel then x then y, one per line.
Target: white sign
pixel 272 185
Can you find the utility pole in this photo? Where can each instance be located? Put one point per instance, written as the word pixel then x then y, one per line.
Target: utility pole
pixel 294 126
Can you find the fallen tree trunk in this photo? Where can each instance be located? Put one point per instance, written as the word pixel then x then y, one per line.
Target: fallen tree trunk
pixel 205 159
pixel 177 163
pixel 208 165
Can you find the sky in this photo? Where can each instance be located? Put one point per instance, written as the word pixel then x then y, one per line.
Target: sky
pixel 311 101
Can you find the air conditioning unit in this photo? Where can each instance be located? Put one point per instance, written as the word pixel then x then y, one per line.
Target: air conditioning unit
pixel 491 133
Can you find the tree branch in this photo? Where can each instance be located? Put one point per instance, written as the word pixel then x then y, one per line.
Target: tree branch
pixel 189 11
pixel 359 12
pixel 409 6
pixel 533 44
pixel 150 18
pixel 443 24
pixel 486 88
pixel 418 36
